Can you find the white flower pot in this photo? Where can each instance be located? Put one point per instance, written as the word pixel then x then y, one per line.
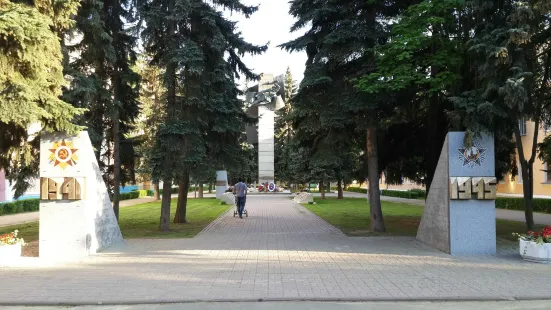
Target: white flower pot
pixel 538 253
pixel 10 252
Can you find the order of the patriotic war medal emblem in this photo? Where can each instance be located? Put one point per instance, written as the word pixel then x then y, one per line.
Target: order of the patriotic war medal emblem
pixel 472 156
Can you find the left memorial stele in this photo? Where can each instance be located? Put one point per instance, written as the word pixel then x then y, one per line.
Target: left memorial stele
pixel 76 214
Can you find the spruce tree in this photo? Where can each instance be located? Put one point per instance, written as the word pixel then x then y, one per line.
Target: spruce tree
pixel 283 132
pixel 104 83
pixel 200 51
pixel 31 79
pixel 152 115
pixel 329 110
pixel 512 71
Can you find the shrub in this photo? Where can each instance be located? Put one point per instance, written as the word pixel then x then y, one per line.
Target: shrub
pixel 410 194
pixel 19 206
pixel 358 190
pixel 517 203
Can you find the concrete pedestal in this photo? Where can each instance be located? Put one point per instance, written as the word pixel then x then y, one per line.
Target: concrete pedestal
pixel 266 123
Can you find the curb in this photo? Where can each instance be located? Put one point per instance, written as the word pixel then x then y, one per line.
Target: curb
pixel 276 299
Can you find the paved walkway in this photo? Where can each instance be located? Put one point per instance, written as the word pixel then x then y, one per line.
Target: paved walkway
pixel 281 251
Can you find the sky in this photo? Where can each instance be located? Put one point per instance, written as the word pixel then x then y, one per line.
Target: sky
pixel 271 23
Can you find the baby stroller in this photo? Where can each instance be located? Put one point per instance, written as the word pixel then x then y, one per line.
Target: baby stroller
pixel 236 211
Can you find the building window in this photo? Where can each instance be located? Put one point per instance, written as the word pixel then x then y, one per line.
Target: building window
pixel 522 126
pixel 546 173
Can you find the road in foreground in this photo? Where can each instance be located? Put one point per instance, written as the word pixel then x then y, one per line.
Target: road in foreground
pixel 304 305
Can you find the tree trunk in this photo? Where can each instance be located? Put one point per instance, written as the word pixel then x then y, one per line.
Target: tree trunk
pixel 156 194
pixel 171 105
pixel 201 189
pixel 210 188
pixel 181 209
pixel 339 195
pixel 117 163
pixel 165 206
pixel 322 190
pixel 377 223
pixel 527 172
pixel 528 189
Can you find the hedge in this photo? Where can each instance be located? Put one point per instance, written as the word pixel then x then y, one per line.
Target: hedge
pixel 174 190
pixel 357 190
pixel 19 206
pixel 517 203
pixel 32 205
pixel 411 194
pixel 134 194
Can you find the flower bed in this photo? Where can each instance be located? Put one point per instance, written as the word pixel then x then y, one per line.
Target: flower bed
pixel 10 246
pixel 536 246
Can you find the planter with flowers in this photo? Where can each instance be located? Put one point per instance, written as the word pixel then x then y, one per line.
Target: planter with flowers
pixel 10 246
pixel 536 246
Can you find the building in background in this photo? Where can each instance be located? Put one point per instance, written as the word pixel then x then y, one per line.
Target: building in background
pixel 542 173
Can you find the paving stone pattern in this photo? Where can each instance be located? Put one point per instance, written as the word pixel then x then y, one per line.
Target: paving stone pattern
pixel 281 251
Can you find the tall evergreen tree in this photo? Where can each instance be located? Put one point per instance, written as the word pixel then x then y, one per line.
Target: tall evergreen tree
pixel 31 79
pixel 152 116
pixel 512 70
pixel 104 83
pixel 201 51
pixel 284 132
pixel 328 108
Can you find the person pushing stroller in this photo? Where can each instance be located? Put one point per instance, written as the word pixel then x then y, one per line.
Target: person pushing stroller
pixel 240 192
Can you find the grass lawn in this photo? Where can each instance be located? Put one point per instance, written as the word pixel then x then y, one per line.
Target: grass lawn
pixel 351 216
pixel 142 221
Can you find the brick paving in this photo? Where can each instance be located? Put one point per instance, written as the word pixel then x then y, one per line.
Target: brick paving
pixel 281 251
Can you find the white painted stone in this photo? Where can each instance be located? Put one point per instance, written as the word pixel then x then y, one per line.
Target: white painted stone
pixel 71 229
pixel 228 198
pixel 304 198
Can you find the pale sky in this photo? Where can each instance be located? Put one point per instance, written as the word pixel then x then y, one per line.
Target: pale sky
pixel 271 23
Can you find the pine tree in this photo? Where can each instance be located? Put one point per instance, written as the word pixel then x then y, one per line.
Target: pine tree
pixel 31 79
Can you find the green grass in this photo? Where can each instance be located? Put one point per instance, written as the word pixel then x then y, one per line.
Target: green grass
pixel 351 216
pixel 142 221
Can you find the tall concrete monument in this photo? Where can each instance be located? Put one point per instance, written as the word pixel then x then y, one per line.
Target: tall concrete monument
pixel 265 99
pixel 459 216
pixel 76 215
